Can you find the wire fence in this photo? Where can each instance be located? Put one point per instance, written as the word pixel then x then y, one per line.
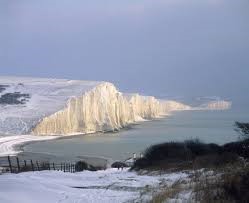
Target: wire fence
pixel 15 165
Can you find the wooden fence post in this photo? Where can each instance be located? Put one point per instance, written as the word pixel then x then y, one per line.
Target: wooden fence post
pixel 10 164
pixel 25 163
pixel 37 165
pixel 18 165
pixel 32 165
pixel 53 166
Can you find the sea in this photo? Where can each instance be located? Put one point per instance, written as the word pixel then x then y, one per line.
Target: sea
pixel 206 126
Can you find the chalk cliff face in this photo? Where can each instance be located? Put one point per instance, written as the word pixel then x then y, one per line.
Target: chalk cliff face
pixel 103 108
pixel 217 105
pixel 168 106
pixel 64 107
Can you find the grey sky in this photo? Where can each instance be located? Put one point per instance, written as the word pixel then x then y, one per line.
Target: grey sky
pixel 157 47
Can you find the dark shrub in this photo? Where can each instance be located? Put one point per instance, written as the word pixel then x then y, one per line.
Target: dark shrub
pixel 198 149
pixel 163 156
pixel 170 151
pixel 81 166
pixel 92 168
pixel 14 98
pixel 241 148
pixel 183 154
pixel 141 164
pixel 214 160
pixel 119 164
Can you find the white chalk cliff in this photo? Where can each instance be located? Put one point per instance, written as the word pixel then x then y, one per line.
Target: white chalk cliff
pixel 64 107
pixel 216 105
pixel 103 108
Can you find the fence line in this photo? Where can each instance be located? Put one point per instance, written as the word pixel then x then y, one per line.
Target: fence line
pixel 17 166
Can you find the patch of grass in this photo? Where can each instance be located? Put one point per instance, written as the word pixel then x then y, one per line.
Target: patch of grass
pixel 228 185
pixel 14 98
pixel 167 193
pixel 236 185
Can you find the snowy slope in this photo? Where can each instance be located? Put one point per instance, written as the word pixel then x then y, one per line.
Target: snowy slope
pixel 109 186
pixel 62 107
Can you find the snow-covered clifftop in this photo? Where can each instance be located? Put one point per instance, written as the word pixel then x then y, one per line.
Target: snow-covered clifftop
pixel 63 107
pixel 25 101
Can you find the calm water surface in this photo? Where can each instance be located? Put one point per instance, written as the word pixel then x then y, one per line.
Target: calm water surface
pixel 208 126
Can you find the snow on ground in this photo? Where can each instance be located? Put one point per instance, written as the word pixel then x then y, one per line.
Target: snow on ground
pixel 8 143
pixel 107 186
pixel 46 96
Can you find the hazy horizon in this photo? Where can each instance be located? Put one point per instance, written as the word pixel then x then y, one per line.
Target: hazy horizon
pixel 163 48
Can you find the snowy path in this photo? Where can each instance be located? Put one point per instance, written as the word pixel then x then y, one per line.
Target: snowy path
pixel 8 143
pixel 106 186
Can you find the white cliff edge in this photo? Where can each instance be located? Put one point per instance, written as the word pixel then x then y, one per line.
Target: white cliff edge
pixel 103 108
pixel 216 105
pixel 41 106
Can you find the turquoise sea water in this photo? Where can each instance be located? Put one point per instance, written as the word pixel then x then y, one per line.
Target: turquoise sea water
pixel 207 126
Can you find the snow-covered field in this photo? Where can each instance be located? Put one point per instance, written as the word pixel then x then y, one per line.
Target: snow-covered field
pixel 109 186
pixel 8 144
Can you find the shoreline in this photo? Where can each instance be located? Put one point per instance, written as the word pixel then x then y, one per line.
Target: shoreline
pixel 18 151
pixel 13 145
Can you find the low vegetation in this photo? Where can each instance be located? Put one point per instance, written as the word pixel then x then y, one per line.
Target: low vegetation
pixel 14 98
pixel 229 185
pixel 217 173
pixel 191 154
pixel 81 166
pixel 119 164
